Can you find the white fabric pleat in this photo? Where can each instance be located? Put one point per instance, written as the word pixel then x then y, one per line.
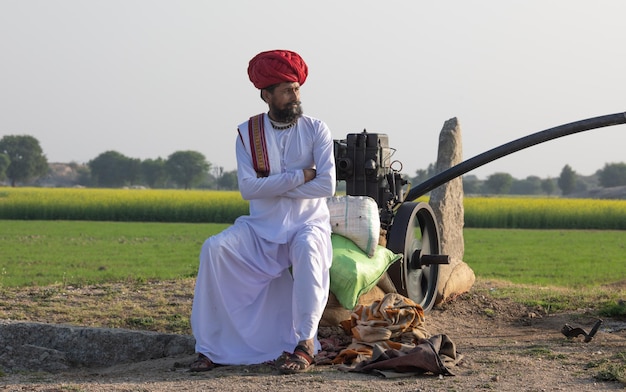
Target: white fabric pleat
pixel 245 297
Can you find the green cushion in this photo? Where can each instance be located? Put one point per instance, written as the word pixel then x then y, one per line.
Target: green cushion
pixel 353 273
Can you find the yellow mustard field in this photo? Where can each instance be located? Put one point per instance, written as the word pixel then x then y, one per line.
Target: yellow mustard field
pixel 545 213
pixel 121 204
pixel 225 206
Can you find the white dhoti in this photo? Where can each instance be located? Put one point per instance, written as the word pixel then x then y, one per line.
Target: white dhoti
pixel 255 299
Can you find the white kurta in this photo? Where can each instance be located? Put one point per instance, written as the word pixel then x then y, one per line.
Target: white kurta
pixel 263 283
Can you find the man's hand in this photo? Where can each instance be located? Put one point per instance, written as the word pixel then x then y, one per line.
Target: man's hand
pixel 309 174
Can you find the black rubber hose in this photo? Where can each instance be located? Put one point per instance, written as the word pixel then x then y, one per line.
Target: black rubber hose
pixel 511 147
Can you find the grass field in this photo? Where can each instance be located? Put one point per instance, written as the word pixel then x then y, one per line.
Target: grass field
pixel 566 258
pixel 79 252
pixel 64 271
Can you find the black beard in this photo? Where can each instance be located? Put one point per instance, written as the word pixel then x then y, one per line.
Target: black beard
pixel 289 114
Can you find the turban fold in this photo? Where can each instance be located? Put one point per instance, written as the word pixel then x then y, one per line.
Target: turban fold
pixel 277 66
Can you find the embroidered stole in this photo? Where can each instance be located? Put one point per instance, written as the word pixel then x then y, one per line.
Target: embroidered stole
pixel 260 158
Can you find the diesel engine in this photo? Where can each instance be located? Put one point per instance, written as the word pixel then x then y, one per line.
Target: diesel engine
pixel 363 161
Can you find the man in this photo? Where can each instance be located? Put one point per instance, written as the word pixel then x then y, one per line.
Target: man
pixel 263 283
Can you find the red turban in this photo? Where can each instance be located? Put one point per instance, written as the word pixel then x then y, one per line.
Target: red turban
pixel 277 66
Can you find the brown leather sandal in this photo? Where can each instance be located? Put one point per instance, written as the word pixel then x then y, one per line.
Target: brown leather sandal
pixel 202 364
pixel 299 362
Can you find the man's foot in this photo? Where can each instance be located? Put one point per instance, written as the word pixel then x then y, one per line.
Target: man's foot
pixel 202 364
pixel 300 361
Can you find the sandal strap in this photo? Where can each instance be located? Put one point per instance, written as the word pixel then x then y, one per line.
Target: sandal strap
pixel 303 353
pixel 202 363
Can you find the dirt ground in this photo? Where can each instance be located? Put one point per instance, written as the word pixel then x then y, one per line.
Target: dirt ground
pixel 505 347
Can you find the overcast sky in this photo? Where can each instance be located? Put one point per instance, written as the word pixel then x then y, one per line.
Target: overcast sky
pixel 147 78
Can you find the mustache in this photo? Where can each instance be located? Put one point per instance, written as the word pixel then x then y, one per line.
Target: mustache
pixel 290 112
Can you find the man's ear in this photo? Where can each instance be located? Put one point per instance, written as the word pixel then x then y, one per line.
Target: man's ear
pixel 265 95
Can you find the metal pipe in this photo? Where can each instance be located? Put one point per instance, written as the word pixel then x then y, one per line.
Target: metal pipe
pixel 511 147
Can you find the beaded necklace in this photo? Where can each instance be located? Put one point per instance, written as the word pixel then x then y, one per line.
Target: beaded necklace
pixel 279 126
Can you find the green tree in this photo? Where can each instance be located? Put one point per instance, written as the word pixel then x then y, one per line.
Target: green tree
pixel 422 175
pixel 613 174
pixel 83 173
pixel 4 164
pixel 154 172
pixel 187 168
pixel 499 183
pixel 26 157
pixel 113 169
pixel 531 185
pixel 567 180
pixel 228 180
pixel 132 168
pixel 471 184
pixel 548 186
